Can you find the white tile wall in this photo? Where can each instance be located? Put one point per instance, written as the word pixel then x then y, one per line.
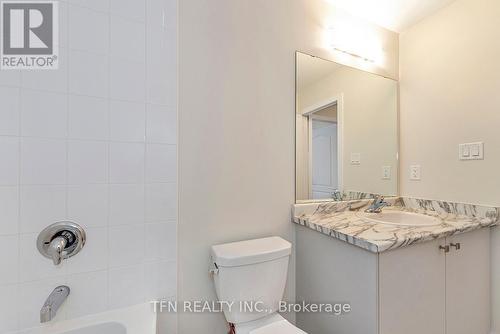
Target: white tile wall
pixel 9 210
pixel 88 204
pixel 130 279
pixel 126 204
pixel 9 168
pixel 8 308
pixel 99 5
pixel 88 118
pixel 161 202
pixel 9 265
pixel 127 80
pixel 132 9
pixel 161 127
pixel 127 121
pixel 94 142
pixel 88 74
pixel 85 301
pixel 87 162
pixel 88 37
pixel 43 161
pixel 52 123
pixel 124 33
pixel 40 206
pixel 126 245
pixel 53 81
pixel 9 113
pixel 161 163
pixel 126 162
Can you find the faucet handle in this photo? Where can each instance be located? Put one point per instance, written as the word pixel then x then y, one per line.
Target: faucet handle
pixel 381 201
pixel 56 248
pixel 377 205
pixel 60 241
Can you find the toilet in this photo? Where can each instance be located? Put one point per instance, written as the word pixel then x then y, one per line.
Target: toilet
pixel 252 275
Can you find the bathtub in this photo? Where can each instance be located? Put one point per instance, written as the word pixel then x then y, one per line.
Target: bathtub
pixel 138 319
pixel 107 327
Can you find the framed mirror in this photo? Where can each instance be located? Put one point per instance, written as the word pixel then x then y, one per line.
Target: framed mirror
pixel 346 132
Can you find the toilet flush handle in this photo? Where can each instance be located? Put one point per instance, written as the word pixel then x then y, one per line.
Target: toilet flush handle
pixel 214 269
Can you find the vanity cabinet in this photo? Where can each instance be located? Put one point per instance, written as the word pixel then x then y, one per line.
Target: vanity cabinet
pixel 422 288
pixel 412 290
pixel 468 284
pixel 437 287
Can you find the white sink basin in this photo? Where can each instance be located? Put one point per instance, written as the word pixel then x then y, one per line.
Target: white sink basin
pixel 400 218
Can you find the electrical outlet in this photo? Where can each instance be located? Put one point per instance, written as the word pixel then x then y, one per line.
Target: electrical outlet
pixel 355 158
pixel 415 173
pixel 386 172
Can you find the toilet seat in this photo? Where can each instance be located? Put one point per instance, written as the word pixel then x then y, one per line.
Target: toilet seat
pixel 273 324
pixel 279 327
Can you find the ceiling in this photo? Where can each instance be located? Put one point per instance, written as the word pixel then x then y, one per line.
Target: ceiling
pixel 395 15
pixel 311 69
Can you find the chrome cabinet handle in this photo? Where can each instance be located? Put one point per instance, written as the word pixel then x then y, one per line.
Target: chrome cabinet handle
pixel 446 248
pixel 457 245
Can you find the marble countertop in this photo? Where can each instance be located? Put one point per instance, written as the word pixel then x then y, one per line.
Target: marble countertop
pixel 340 220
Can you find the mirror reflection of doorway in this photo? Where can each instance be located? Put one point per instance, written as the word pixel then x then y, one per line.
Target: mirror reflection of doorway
pixel 359 106
pixel 325 148
pixel 324 159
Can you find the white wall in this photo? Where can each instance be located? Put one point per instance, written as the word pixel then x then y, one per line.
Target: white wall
pixel 449 95
pixel 236 139
pixel 93 142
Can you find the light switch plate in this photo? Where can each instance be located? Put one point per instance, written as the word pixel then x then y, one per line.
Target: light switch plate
pixel 471 151
pixel 355 158
pixel 464 151
pixel 415 173
pixel 386 172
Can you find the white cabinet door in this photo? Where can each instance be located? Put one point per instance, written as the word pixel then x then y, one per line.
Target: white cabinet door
pixel 468 283
pixel 412 290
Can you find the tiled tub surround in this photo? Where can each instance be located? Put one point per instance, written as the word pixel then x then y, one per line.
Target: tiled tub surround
pixel 339 220
pixel 94 142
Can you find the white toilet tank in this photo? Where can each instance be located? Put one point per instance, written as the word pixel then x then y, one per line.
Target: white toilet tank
pixel 251 272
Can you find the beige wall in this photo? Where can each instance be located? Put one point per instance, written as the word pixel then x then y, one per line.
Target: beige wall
pixel 450 87
pixel 236 127
pixel 449 95
pixel 370 126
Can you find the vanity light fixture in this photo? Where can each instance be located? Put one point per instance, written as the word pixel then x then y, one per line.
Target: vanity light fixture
pixel 355 41
pixel 353 55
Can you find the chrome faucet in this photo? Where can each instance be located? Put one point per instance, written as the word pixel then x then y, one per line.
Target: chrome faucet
pixel 57 246
pixel 60 241
pixel 377 205
pixel 53 303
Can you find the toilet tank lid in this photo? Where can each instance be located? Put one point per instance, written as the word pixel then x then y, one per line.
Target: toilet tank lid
pixel 250 251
